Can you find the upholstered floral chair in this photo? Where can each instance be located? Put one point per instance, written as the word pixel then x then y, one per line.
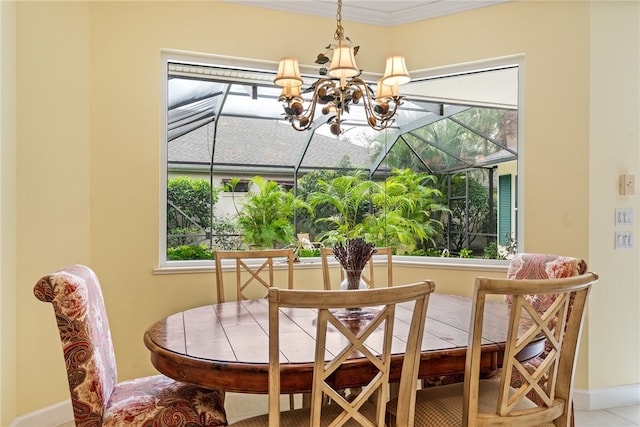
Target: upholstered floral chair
pixel 97 399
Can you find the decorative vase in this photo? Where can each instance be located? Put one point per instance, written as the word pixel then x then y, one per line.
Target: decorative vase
pixel 353 280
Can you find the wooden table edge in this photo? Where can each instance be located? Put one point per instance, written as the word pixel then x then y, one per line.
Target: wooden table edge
pixel 226 376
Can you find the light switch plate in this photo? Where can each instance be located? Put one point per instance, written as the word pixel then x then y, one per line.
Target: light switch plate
pixel 624 240
pixel 624 217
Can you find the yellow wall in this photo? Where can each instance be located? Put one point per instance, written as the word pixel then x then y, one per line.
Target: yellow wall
pixel 7 213
pixel 613 343
pixel 53 176
pixel 88 93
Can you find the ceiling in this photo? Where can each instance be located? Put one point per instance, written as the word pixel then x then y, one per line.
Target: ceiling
pixel 376 12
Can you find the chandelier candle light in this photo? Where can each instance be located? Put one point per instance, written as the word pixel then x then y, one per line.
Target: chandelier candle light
pixel 341 88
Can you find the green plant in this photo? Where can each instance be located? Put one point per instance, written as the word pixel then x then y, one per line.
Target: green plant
pixel 189 205
pixel 465 253
pixel 432 252
pixel 186 252
pixel 189 202
pixel 266 214
pixel 225 234
pixel 405 209
pixel 512 244
pixel 308 253
pixel 184 236
pixel 495 251
pixel 469 208
pixel 397 212
pixel 348 200
pixel 491 251
pixel 311 183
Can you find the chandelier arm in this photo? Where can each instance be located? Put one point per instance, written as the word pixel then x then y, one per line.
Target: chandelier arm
pixel 367 100
pixel 305 121
pixel 378 121
pixel 373 120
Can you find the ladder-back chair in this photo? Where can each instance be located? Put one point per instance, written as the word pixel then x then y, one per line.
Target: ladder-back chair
pixel 254 271
pixel 336 340
pixel 494 401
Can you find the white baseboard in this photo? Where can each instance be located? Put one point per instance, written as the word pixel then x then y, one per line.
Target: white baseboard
pixel 51 416
pixel 604 398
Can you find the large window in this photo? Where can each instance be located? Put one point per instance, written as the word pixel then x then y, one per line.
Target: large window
pixel 440 181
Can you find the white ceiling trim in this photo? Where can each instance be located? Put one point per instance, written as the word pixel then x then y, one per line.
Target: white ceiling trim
pixel 375 12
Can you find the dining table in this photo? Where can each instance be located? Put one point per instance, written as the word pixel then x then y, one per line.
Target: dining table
pixel 226 346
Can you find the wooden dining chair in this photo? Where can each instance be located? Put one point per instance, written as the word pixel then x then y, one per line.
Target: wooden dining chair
pixel 96 397
pixel 526 265
pixel 254 275
pixel 336 341
pixel 382 254
pixel 493 401
pixel 254 272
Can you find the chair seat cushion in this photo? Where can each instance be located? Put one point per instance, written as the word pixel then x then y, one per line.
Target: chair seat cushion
pixel 442 406
pixel 160 401
pixel 300 417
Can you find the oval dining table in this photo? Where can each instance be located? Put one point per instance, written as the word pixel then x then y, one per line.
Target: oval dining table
pixel 226 346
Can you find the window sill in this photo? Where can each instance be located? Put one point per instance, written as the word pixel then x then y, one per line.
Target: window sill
pixel 188 267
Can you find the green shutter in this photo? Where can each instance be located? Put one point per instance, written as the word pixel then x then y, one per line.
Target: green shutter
pixel 504 208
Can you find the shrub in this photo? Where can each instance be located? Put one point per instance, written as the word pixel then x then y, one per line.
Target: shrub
pixel 308 253
pixel 185 252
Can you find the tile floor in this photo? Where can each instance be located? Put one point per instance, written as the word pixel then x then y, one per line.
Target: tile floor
pixel 241 406
pixel 613 417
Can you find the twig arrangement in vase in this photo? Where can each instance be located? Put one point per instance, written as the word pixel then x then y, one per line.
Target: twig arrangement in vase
pixel 353 257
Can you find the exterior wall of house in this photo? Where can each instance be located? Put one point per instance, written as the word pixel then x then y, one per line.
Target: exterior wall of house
pixel 88 158
pixel 510 169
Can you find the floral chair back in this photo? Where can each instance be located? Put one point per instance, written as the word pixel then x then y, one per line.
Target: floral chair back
pixel 97 398
pixel 543 266
pixel 84 331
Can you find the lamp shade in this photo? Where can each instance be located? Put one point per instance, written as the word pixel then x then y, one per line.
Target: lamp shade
pixel 395 72
pixel 290 92
pixel 343 63
pixel 288 73
pixel 384 91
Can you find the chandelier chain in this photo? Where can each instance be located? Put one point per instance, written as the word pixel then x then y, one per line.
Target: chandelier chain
pixel 339 30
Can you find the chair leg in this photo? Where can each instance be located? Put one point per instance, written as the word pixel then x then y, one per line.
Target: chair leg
pixel 306 400
pixel 292 404
pixel 394 389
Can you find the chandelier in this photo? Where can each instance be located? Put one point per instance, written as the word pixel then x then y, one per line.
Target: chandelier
pixel 341 88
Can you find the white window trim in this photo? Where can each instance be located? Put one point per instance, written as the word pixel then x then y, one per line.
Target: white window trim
pixel 197 266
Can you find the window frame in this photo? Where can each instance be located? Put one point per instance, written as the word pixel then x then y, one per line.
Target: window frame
pixel 168 55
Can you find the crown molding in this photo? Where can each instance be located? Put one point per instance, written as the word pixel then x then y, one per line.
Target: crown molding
pixel 381 13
